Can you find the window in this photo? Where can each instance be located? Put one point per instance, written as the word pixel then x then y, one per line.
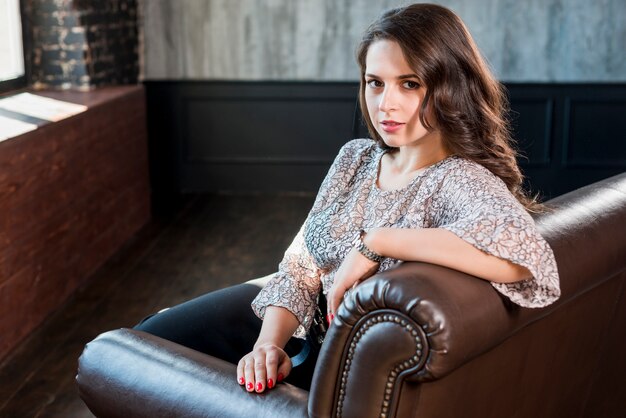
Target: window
pixel 12 74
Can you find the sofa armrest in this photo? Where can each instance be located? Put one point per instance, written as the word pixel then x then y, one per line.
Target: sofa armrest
pixel 417 322
pixel 128 373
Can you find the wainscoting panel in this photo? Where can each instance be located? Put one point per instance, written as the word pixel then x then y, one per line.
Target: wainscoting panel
pixel 208 136
pixel 531 122
pixel 264 130
pixel 594 133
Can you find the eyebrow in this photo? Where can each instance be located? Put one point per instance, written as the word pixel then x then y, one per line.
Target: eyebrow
pixel 400 77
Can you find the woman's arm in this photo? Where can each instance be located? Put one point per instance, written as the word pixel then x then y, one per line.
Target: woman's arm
pixel 442 247
pixel 430 245
pixel 268 363
pixel 278 326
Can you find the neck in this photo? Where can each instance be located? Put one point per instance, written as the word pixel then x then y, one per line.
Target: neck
pixel 406 160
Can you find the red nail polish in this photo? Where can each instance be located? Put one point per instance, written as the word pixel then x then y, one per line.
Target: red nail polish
pixel 270 383
pixel 242 380
pixel 332 316
pixel 280 377
pixel 328 318
pixel 250 386
pixel 259 387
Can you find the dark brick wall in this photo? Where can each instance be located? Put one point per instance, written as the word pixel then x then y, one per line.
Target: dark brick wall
pixel 81 44
pixel 71 193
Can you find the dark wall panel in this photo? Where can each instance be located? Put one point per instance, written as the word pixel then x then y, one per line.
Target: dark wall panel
pixel 594 133
pixel 267 130
pixel 245 136
pixel 283 136
pixel 255 177
pixel 531 121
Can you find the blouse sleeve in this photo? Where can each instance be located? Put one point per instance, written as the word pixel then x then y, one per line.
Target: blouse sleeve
pixel 297 283
pixel 295 286
pixel 479 209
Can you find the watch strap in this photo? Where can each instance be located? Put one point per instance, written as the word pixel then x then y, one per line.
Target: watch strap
pixel 368 253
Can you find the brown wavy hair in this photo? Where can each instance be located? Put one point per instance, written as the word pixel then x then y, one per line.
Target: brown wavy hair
pixel 467 104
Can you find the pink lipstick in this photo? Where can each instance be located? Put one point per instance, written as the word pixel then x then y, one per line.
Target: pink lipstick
pixel 391 126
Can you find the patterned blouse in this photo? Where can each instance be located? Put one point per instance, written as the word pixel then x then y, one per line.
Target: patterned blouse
pixel 455 194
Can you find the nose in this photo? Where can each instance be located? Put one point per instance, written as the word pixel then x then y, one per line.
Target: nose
pixel 388 100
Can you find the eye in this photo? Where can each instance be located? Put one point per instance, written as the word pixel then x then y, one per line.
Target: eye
pixel 373 83
pixel 411 85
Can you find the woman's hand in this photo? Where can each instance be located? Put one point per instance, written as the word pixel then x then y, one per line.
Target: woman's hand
pixel 268 363
pixel 354 269
pixel 262 368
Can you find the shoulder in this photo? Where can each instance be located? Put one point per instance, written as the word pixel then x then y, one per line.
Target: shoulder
pixel 466 186
pixel 353 154
pixel 464 175
pixel 357 148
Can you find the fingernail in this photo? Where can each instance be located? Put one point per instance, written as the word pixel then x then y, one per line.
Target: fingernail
pixel 270 383
pixel 250 386
pixel 328 318
pixel 242 380
pixel 332 316
pixel 280 377
pixel 259 387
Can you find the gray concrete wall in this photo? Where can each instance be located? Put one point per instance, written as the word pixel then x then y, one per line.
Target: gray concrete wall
pixel 524 40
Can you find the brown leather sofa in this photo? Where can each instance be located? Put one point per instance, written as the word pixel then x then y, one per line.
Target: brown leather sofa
pixel 420 341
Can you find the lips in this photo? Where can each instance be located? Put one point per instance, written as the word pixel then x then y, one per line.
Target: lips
pixel 391 125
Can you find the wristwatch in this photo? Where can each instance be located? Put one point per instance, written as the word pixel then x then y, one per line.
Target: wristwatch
pixel 362 248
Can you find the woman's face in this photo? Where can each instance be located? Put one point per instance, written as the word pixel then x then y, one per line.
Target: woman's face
pixel 393 96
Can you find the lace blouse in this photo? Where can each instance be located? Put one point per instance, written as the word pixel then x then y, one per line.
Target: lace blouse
pixel 455 194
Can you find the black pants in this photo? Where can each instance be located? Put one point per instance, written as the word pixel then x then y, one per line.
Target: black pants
pixel 222 324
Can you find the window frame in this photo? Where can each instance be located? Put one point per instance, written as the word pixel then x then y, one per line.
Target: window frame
pixel 21 82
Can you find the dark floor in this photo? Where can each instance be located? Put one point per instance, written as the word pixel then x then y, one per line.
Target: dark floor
pixel 212 242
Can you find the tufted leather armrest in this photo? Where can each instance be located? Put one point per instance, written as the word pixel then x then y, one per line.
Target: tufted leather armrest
pixel 128 373
pixel 416 322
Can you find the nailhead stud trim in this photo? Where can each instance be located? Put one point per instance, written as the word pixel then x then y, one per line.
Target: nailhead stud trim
pixel 393 374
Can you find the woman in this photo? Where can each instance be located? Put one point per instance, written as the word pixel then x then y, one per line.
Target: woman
pixel 438 183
